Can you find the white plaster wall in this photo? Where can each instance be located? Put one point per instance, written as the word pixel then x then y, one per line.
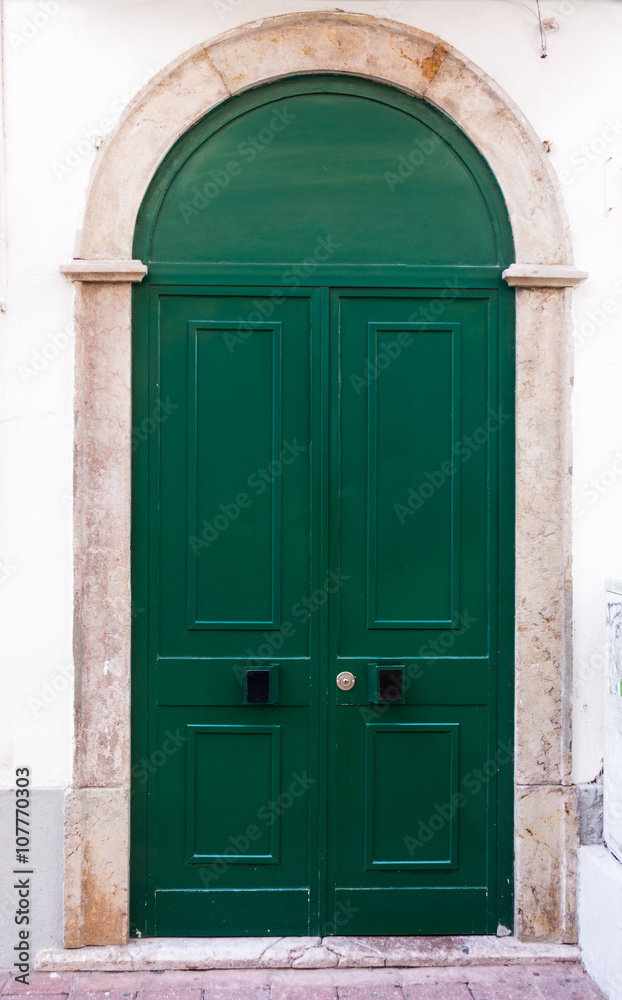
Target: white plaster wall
pixel 600 918
pixel 71 66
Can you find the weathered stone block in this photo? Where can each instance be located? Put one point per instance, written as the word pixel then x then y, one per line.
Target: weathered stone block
pixel 547 838
pixel 96 866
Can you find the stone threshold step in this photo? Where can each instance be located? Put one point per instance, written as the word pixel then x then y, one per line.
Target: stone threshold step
pixel 302 953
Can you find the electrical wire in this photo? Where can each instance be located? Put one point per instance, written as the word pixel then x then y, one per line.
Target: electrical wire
pixel 543 52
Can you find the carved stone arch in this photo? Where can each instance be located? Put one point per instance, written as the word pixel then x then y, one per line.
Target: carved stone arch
pixel 97 809
pixel 416 62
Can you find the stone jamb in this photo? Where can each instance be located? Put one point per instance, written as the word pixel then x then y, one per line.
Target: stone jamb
pixel 97 858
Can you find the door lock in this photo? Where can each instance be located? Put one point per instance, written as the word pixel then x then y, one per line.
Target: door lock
pixel 345 680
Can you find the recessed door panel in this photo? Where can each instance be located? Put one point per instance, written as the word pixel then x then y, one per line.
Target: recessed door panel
pixel 411 787
pixel 232 800
pixel 235 464
pixel 413 427
pixel 234 557
pixel 222 801
pixel 417 436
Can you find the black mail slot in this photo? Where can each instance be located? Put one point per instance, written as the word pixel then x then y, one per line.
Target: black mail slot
pixel 261 685
pixel 386 684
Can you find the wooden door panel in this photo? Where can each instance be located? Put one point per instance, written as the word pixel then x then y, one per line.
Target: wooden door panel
pixel 415 819
pixel 403 403
pixel 415 549
pixel 233 566
pixel 235 473
pixel 235 518
pixel 233 797
pixel 412 473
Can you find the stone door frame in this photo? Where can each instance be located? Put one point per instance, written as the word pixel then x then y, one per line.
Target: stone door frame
pixel 97 805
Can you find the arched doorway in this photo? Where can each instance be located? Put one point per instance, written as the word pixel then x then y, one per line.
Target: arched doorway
pixel 323 523
pixel 545 800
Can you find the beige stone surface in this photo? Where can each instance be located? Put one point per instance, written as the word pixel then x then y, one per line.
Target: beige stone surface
pixel 542 546
pixel 300 953
pixel 543 276
pixel 102 534
pixel 547 839
pixel 329 42
pixel 104 270
pixel 96 868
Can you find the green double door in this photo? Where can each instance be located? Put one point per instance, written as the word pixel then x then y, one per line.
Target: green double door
pixel 322 524
pixel 321 529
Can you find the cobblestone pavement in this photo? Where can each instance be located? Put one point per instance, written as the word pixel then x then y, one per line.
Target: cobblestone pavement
pixel 563 981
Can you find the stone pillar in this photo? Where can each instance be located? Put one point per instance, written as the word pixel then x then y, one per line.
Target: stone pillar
pixel 546 812
pixel 97 807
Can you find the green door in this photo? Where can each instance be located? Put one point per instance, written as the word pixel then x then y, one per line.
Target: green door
pixel 323 525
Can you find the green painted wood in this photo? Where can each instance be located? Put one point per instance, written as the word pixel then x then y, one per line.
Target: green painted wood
pixel 251 778
pixel 424 911
pixel 391 817
pixel 324 170
pixel 220 379
pixel 258 911
pixel 323 469
pixel 402 403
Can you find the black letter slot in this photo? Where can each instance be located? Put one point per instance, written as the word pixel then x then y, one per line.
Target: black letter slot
pixel 390 683
pixel 261 685
pixel 386 683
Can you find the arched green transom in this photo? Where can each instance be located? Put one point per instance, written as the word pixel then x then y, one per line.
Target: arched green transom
pixel 357 168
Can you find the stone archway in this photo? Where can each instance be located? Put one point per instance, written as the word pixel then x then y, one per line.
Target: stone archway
pixel 97 808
